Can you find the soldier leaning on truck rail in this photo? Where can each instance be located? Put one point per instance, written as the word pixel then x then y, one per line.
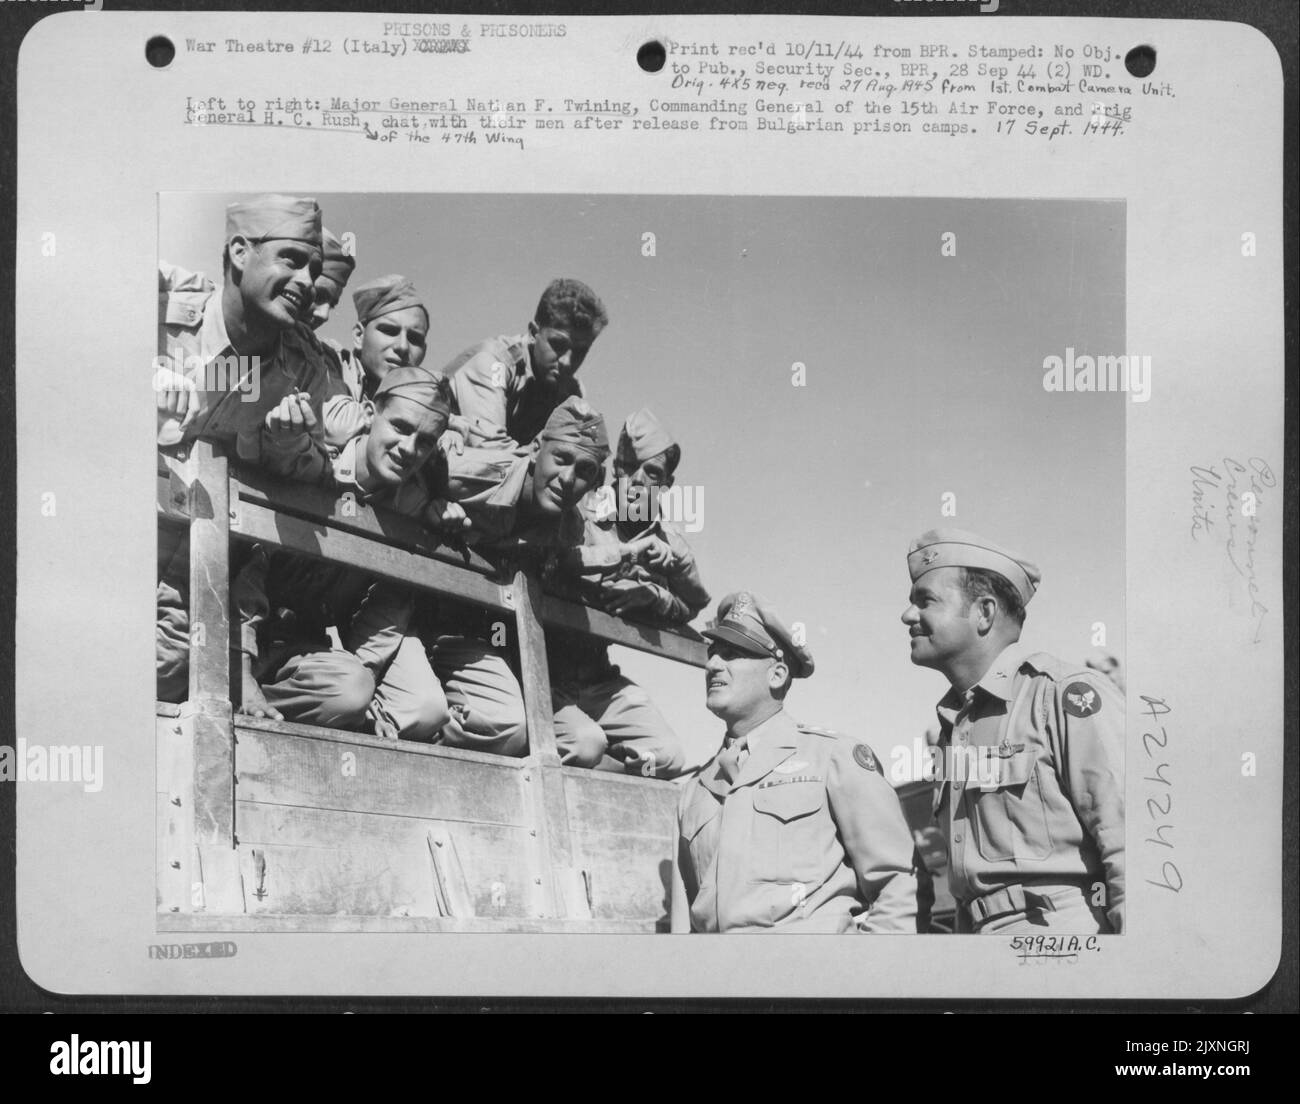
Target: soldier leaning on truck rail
pixel 506 387
pixel 236 365
pixel 337 265
pixel 1029 789
pixel 631 561
pixel 515 500
pixel 788 827
pixel 287 602
pixel 391 331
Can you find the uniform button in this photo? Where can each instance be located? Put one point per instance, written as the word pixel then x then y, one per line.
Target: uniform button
pixel 956 839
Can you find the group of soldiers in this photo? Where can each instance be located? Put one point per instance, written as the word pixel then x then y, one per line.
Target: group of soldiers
pixel 787 827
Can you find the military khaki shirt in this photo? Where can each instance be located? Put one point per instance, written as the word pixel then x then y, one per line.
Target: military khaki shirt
pixel 808 837
pixel 1030 781
pixel 498 401
pixel 235 396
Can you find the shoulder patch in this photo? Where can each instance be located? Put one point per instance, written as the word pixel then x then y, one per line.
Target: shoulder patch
pixel 866 758
pixel 1081 699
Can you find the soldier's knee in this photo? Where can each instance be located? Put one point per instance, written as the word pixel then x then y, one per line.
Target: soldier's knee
pixel 427 717
pixel 583 746
pixel 352 692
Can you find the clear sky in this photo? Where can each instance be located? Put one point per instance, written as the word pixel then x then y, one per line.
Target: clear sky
pixel 923 377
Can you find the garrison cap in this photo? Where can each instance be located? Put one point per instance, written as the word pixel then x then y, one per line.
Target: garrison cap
pixel 643 438
pixel 337 264
pixel 275 218
pixel 384 296
pixel 430 389
pixel 746 622
pixel 958 548
pixel 575 423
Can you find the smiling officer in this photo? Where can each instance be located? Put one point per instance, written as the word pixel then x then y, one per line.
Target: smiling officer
pixel 789 827
pixel 1030 767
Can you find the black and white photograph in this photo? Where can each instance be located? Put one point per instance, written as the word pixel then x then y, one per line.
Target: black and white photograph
pixel 643 507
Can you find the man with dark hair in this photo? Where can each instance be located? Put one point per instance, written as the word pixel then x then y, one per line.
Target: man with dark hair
pixel 391 331
pixel 505 388
pixel 789 827
pixel 1029 768
pixel 632 561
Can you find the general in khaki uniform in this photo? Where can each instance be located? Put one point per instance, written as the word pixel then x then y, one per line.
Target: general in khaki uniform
pixel 1029 767
pixel 789 827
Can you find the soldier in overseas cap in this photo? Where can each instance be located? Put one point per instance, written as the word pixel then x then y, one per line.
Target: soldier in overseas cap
pixel 287 602
pixel 1029 785
pixel 391 331
pixel 236 365
pixel 506 387
pixel 336 269
pixel 789 827
pixel 631 561
pixel 524 498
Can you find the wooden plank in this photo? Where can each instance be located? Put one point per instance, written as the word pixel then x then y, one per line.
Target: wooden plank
pixel 683 646
pixel 624 837
pixel 311 538
pixel 489 876
pixel 182 923
pixel 367 739
pixel 175 801
pixel 285 770
pixel 209 508
pixel 327 506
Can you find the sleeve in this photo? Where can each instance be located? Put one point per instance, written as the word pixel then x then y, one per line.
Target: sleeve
pixel 684 579
pixel 876 840
pixel 1087 739
pixel 479 386
pixel 683 888
pixel 303 458
pixel 248 596
pixel 343 418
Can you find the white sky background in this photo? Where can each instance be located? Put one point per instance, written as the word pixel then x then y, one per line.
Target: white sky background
pixel 924 376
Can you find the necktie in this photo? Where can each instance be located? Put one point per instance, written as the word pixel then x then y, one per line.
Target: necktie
pixel 733 758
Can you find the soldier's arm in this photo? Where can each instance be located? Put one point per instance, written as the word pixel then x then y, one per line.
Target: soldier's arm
pixel 343 418
pixel 681 895
pixel 684 576
pixel 875 837
pixel 479 387
pixel 1089 746
pixel 249 597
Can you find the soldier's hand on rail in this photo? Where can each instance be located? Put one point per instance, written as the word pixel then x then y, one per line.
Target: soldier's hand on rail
pixel 629 595
pixel 292 417
pixel 254 704
pixel 177 399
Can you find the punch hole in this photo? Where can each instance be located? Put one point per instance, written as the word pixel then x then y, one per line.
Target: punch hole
pixel 159 51
pixel 651 56
pixel 1141 61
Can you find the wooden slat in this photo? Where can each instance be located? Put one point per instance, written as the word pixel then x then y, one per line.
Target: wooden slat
pixel 209 509
pixel 327 861
pixel 624 832
pixel 682 645
pixel 311 538
pixel 319 504
pixel 319 774
pixel 685 646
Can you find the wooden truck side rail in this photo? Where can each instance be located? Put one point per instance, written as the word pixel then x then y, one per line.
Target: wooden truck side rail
pixel 276 826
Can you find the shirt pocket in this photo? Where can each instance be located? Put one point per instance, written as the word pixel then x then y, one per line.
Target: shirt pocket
pixel 787 843
pixel 1010 821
